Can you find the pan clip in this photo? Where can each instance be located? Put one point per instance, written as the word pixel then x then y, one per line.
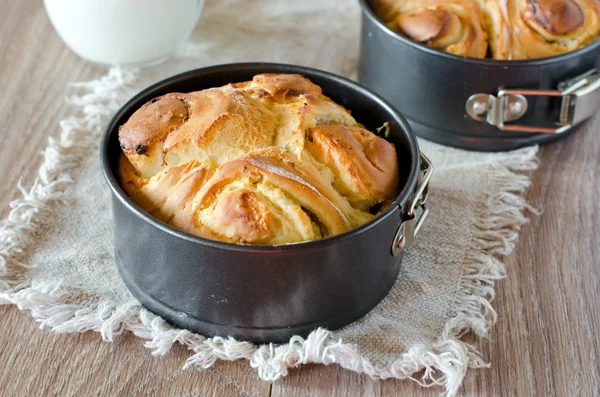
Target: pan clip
pixel 580 99
pixel 410 226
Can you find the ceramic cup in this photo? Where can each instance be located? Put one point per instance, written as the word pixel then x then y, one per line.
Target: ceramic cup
pixel 130 32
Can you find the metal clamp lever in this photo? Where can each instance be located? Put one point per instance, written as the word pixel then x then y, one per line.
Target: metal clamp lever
pixel 580 100
pixel 410 226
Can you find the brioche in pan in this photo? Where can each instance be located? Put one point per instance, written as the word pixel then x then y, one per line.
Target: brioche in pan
pixel 499 29
pixel 457 27
pixel 543 28
pixel 268 161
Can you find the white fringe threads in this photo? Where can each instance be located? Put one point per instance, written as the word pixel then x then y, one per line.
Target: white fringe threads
pixel 443 362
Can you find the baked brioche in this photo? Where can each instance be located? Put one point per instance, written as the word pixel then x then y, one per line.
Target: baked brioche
pixel 543 28
pixel 499 29
pixel 364 165
pixel 457 27
pixel 268 161
pixel 166 130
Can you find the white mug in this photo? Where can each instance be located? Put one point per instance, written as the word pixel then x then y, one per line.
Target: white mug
pixel 124 32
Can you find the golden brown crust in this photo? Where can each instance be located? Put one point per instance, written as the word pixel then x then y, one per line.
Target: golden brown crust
pixel 279 87
pixel 307 112
pixel 241 216
pixel 267 178
pixel 166 193
pixel 229 123
pixel 212 125
pixel 554 16
pixel 514 29
pixel 153 122
pixel 457 27
pixel 428 25
pixel 544 28
pixel 268 161
pixel 142 136
pixel 364 165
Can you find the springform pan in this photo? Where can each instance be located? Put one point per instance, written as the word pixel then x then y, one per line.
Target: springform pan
pixel 267 293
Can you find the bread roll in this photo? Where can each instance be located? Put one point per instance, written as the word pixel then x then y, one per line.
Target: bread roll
pixel 462 27
pixel 457 27
pixel 268 161
pixel 364 165
pixel 499 29
pixel 543 28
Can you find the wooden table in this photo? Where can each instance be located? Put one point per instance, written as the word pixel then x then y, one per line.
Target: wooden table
pixel 546 342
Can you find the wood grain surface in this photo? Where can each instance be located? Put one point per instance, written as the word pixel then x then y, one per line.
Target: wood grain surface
pixel 546 342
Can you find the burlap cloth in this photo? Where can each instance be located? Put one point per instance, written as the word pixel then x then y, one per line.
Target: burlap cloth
pixel 56 252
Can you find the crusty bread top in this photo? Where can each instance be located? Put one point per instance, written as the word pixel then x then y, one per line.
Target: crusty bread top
pixel 511 29
pixel 268 161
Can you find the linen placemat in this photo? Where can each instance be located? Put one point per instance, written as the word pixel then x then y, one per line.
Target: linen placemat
pixel 56 252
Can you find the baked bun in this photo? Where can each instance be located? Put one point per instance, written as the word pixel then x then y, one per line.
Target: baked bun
pixel 364 165
pixel 457 27
pixel 543 28
pixel 268 161
pixel 214 125
pixel 499 29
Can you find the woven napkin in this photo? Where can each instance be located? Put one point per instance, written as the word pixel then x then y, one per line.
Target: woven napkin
pixel 56 251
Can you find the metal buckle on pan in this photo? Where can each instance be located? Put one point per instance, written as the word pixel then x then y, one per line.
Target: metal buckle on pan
pixel 580 100
pixel 410 226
